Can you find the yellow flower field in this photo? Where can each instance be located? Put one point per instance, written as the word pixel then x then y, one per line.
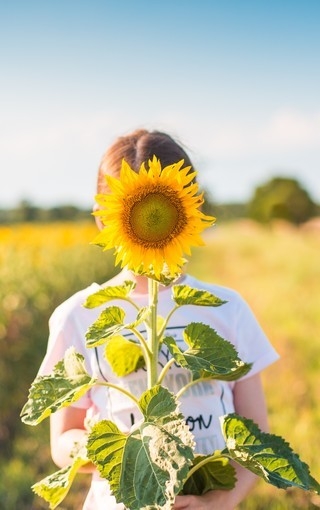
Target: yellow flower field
pixel 275 268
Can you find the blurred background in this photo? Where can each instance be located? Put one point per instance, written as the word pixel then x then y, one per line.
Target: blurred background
pixel 237 83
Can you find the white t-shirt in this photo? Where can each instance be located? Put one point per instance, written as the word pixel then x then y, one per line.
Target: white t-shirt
pixel 202 405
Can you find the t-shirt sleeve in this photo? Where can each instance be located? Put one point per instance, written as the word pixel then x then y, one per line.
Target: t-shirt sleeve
pixel 251 342
pixel 63 334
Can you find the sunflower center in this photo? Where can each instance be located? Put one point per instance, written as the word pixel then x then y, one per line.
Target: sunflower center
pixel 156 218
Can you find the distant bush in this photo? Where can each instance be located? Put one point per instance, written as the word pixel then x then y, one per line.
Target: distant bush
pixel 26 212
pixel 281 198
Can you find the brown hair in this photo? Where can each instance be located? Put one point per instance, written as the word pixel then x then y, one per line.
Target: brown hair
pixel 137 148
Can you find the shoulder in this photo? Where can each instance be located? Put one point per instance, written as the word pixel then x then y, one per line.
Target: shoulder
pixel 235 310
pixel 225 293
pixel 73 306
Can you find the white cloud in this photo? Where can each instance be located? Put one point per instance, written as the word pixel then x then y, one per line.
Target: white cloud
pixel 233 152
pixel 293 129
pixel 282 131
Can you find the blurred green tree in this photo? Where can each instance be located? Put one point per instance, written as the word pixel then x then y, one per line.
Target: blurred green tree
pixel 281 198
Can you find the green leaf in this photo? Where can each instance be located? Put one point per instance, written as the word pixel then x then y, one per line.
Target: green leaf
pixel 123 355
pixel 146 468
pixel 56 486
pixel 185 295
pixel 109 293
pixel 214 472
pixel 208 355
pixel 110 322
pixel 157 403
pixel 68 382
pixel 267 455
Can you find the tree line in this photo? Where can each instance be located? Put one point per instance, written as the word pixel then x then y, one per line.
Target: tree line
pixel 278 198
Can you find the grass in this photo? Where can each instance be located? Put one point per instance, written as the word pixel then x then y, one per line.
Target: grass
pixel 276 269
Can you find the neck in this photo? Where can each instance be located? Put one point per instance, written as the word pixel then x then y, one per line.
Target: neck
pixel 141 283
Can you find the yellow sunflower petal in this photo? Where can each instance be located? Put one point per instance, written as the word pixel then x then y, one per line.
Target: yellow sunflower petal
pixel 152 217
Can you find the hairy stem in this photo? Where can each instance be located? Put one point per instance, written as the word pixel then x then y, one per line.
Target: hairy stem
pixel 122 390
pixel 187 386
pixel 199 465
pixel 142 341
pixel 165 323
pixel 153 340
pixel 165 370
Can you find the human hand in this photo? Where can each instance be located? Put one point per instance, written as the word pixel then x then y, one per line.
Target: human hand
pixel 210 501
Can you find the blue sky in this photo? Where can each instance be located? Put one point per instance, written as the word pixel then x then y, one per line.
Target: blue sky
pixel 236 81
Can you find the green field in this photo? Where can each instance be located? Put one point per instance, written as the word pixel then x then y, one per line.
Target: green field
pixel 277 270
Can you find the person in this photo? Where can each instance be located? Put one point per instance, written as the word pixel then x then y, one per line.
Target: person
pixel 202 404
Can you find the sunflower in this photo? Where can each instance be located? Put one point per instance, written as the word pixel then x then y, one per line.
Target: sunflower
pixel 152 217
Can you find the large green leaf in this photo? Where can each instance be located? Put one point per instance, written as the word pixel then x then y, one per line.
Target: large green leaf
pixel 146 468
pixel 110 322
pixel 267 455
pixel 214 472
pixel 68 382
pixel 123 355
pixel 208 354
pixel 185 295
pixel 107 294
pixel 56 486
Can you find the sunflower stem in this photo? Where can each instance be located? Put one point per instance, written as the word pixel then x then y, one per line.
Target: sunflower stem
pixel 189 384
pixel 152 362
pixel 122 390
pixel 165 370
